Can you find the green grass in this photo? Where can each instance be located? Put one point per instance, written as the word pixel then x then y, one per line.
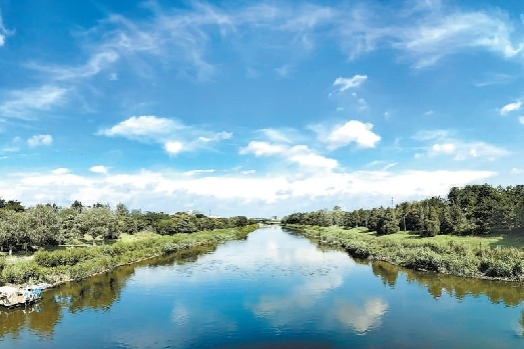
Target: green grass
pixel 500 256
pixel 81 262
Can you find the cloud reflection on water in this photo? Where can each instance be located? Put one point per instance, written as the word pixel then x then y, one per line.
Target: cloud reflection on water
pixel 282 280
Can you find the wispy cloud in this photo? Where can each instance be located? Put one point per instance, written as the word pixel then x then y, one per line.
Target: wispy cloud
pixel 439 35
pixel 95 64
pixel 426 34
pixel 441 142
pixel 4 32
pixel 346 83
pixel 25 104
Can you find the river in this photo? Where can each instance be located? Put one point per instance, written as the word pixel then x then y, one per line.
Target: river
pixel 272 290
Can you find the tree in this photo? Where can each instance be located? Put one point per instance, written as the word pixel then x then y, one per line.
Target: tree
pixel 388 224
pixel 69 223
pixel 99 223
pixel 77 205
pixel 431 223
pixel 44 227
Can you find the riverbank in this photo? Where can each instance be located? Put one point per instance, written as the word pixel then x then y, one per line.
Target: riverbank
pixel 56 267
pixel 455 255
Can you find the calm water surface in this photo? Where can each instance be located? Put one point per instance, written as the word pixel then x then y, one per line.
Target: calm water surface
pixel 272 290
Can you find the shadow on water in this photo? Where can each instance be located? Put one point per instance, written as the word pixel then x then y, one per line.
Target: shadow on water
pixel 509 293
pixel 98 292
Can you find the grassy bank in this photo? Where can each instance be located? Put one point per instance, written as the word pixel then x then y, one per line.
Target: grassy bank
pixel 496 257
pixel 59 266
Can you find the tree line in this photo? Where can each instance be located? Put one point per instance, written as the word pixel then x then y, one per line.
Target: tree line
pixel 31 228
pixel 471 210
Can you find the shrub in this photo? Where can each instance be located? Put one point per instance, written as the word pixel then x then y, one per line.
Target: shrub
pixel 423 259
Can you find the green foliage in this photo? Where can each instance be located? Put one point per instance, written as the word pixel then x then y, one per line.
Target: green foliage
pixel 428 254
pixel 79 263
pixel 67 257
pixel 472 210
pixel 22 272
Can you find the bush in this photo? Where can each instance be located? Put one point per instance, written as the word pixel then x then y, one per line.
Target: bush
pixel 423 259
pixel 22 272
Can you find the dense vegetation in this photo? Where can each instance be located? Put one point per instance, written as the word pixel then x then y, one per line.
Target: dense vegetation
pixel 48 225
pixel 456 256
pixel 472 210
pixel 43 228
pixel 77 263
pixel 412 234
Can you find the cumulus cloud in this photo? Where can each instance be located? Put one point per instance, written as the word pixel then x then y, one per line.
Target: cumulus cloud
pixel 514 106
pixel 353 131
pixel 39 140
pixel 233 194
pixel 300 155
pixel 143 127
pixel 174 147
pixel 174 136
pixel 60 171
pixel 261 148
pixel 344 84
pixel 306 158
pixel 446 148
pixel 99 169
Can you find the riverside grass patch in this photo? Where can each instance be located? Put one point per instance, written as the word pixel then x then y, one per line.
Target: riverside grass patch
pixel 450 255
pixel 81 262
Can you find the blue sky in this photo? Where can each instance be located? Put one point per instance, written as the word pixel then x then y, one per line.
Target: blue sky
pixel 258 107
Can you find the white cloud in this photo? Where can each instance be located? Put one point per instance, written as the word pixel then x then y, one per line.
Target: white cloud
pixel 347 83
pixel 440 35
pixel 174 136
pixel 143 127
pixel 510 107
pixel 3 32
pixel 60 171
pixel 99 169
pixel 234 194
pixel 306 158
pixel 521 119
pixel 260 148
pixel 174 147
pixel 446 148
pixel 361 318
pixel 426 34
pixel 300 155
pixel 516 171
pixel 96 63
pixel 215 137
pixel 38 140
pixel 24 104
pixel 480 150
pixel 443 143
pixel 352 131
